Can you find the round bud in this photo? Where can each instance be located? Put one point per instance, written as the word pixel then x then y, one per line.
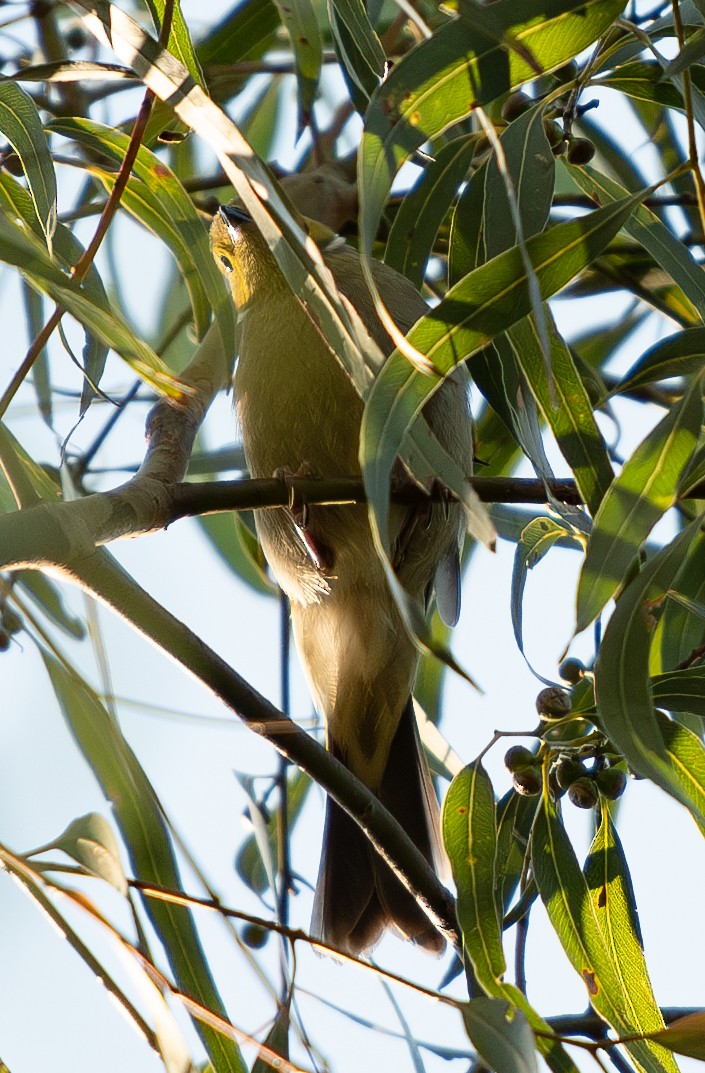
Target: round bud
pixel 583 793
pixel 554 133
pixel 571 670
pixel 519 758
pixel 527 783
pixel 515 105
pixel 553 703
pixel 580 151
pixel 568 771
pixel 254 936
pixel 611 782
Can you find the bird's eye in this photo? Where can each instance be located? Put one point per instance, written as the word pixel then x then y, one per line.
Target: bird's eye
pixel 226 263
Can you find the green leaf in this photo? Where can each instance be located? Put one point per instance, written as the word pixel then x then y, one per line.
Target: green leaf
pixel 90 840
pixel 685 1036
pixel 470 837
pixel 483 304
pixel 357 44
pixel 624 700
pixel 515 815
pixel 249 864
pixel 501 1035
pixel 142 826
pixel 645 489
pixel 277 1040
pixel 67 251
pixel 566 407
pixel 19 248
pixel 529 167
pixel 679 633
pixel 245 32
pixel 21 125
pixel 238 548
pixel 299 20
pixel 466 243
pixel 645 227
pixel 536 540
pixel 680 691
pixel 421 213
pixel 642 81
pixel 610 886
pixel 686 756
pixel 179 43
pixel 443 79
pixel 572 912
pixel 156 197
pixel 692 51
pixel 679 355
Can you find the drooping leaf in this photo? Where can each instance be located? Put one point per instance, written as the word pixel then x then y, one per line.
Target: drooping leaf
pixel 19 248
pixel 357 44
pixel 612 895
pixel 470 838
pixel 21 125
pixel 444 78
pixel 573 915
pixel 155 196
pixel 679 355
pixel 685 1036
pixel 624 700
pixel 299 20
pixel 536 540
pixel 421 212
pixel 484 303
pixel 638 497
pixel 501 1035
pixel 680 691
pixel 141 823
pixel 67 251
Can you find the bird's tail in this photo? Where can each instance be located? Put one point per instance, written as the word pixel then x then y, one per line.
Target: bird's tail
pixel 357 894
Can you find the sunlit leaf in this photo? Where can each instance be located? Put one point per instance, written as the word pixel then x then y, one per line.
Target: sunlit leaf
pixel 573 915
pixel 444 78
pixel 610 886
pixel 156 197
pixel 483 304
pixel 21 125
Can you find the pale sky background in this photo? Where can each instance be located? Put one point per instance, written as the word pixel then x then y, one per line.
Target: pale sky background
pixel 53 1013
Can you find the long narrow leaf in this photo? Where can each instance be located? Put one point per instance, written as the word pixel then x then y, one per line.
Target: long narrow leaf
pixel 640 495
pixel 443 79
pixel 624 700
pixel 21 125
pixel 609 883
pixel 142 826
pixel 483 304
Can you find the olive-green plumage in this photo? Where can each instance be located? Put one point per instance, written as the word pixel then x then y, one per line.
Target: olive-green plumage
pixel 298 410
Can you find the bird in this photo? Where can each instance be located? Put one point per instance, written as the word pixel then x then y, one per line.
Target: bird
pixel 299 412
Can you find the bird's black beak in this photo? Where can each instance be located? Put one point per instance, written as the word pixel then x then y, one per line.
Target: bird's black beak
pixel 234 217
